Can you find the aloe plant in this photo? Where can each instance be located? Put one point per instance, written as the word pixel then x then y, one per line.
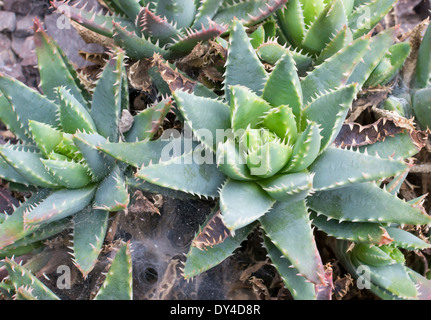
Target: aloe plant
pixel 265 151
pixel 74 184
pixel 314 30
pixel 21 284
pixel 171 28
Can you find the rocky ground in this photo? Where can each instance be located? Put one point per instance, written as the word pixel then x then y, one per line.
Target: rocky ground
pixel 17 57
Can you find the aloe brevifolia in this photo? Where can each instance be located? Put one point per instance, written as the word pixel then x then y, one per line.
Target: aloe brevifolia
pixel 57 154
pixel 21 284
pixel 273 161
pixel 171 28
pixel 314 30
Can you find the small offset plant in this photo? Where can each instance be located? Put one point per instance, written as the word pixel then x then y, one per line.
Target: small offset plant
pixel 382 269
pixel 412 95
pixel 73 184
pixel 171 28
pixel 266 152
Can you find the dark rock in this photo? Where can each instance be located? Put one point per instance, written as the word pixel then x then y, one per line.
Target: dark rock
pixel 7 21
pixel 31 75
pixel 27 52
pixel 18 6
pixel 69 40
pixel 7 56
pixel 14 71
pixel 24 26
pixel 24 48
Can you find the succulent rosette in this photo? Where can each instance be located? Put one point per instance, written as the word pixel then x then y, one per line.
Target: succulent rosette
pixel 265 151
pixel 55 156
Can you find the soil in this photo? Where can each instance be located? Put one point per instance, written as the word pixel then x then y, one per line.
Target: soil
pixel 161 228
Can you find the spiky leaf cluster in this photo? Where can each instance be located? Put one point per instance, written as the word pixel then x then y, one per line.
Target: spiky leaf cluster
pixel 317 29
pixel 22 284
pixel 74 183
pixel 171 28
pixel 275 163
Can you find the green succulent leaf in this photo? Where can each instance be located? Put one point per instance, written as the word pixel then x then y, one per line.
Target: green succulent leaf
pixel 393 278
pixel 389 65
pixel 328 22
pixel 21 277
pixel 180 12
pixel 400 146
pixel 290 187
pixel 194 173
pixel 106 105
pixel 422 107
pixel 406 240
pixel 54 68
pixel 243 66
pixel 248 12
pixel 366 202
pixel 199 261
pixel 423 65
pixel 271 52
pixel 46 137
pixel 111 194
pixel 98 163
pixel 142 153
pixel 207 117
pixel 373 255
pixel 7 172
pixel 12 228
pixel 292 21
pixel 58 205
pixel 184 44
pixel 118 284
pixel 157 27
pixel 268 159
pixel 298 286
pixel 31 241
pixel 99 23
pixel 130 7
pixel 341 39
pixel 289 228
pixel 68 174
pixel 136 47
pixel 336 168
pixel 147 122
pixel 90 227
pixel 246 108
pixel 281 121
pixel 379 46
pixel 28 104
pixel 29 165
pixel 335 71
pixel 305 150
pixel 10 119
pixel 329 111
pixel 283 86
pixel 73 115
pixel 232 162
pixel 366 15
pixel 206 10
pixel 358 232
pixel 242 202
